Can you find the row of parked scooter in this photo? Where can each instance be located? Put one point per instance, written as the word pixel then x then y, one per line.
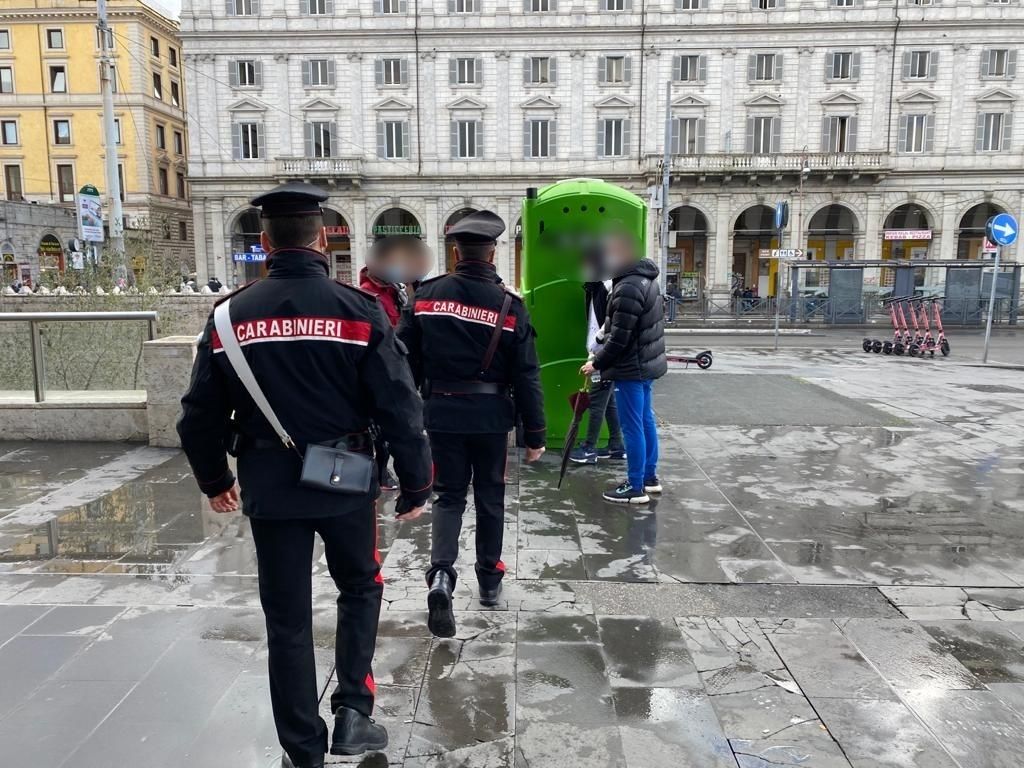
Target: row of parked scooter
pixel 912 337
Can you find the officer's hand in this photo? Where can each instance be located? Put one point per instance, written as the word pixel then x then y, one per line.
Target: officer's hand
pixel 225 502
pixel 413 513
pixel 532 454
pixel 588 368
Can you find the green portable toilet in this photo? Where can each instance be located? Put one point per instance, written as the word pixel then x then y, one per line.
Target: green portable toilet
pixel 559 221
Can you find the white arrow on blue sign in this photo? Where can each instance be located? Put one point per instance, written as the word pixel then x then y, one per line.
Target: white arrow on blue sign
pixel 1002 229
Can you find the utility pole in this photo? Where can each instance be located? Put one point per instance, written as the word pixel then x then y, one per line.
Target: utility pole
pixel 666 173
pixel 115 215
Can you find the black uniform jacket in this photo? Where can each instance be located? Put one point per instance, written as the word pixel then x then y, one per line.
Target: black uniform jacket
pixel 634 347
pixel 448 332
pixel 329 363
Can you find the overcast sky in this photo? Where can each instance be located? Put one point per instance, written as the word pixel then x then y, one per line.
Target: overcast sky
pixel 172 7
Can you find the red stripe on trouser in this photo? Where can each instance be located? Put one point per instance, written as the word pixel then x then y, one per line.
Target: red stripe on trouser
pixel 368 682
pixel 500 566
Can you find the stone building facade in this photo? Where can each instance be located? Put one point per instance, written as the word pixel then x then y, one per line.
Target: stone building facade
pixel 891 127
pixel 33 239
pixel 51 140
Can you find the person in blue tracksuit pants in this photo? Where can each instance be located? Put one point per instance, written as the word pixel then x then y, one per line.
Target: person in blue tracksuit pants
pixel 633 356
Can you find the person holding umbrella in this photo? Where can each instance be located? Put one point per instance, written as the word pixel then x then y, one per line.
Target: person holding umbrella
pixel 633 356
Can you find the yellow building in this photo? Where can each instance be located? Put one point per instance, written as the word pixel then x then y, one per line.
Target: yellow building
pixel 51 132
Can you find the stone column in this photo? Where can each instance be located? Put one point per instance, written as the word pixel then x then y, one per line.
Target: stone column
pixel 286 132
pixel 432 149
pixel 432 236
pixel 201 241
pixel 359 237
pixel 505 256
pixel 873 227
pixel 219 258
pixel 357 144
pixel 800 118
pixel 721 288
pixel 726 140
pixel 654 99
pixel 947 236
pixel 167 365
pixel 877 108
pixel 576 110
pixel 957 125
pixel 502 129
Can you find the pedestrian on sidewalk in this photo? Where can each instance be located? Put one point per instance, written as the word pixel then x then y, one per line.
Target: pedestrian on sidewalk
pixel 602 393
pixel 302 362
pixel 633 356
pixel 385 277
pixel 472 346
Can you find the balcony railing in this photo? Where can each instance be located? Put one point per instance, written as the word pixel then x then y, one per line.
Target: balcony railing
pixel 790 162
pixel 304 167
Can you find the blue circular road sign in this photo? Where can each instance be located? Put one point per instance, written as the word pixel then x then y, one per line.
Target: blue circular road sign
pixel 1002 229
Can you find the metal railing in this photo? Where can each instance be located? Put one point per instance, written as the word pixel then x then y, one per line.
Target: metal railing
pixel 36 319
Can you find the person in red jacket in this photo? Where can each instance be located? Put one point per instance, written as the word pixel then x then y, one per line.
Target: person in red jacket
pixel 392 263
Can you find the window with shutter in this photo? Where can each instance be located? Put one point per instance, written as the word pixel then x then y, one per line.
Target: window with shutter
pixel 614 70
pixel 914 133
pixel 762 135
pixel 995 63
pixel 990 130
pixel 537 139
pixel 690 69
pixel 539 6
pixel 763 67
pixel 688 5
pixel 687 136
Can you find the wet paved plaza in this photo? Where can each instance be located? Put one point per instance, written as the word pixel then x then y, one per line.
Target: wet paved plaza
pixel 833 577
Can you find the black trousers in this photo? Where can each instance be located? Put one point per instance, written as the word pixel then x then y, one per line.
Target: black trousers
pixel 284 550
pixel 459 460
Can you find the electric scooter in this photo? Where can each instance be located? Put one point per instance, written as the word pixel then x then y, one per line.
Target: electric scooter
pixel 941 339
pixel 932 343
pixel 702 360
pixel 896 345
pixel 910 342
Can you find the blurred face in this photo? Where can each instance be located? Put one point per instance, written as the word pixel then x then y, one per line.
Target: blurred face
pixel 399 260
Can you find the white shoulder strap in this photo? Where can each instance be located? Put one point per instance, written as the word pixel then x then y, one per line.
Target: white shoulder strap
pixel 228 340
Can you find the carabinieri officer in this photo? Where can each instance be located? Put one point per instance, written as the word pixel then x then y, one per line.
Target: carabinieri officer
pixel 329 363
pixel 472 349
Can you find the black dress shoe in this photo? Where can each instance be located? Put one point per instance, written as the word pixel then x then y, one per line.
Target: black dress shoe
pixel 287 762
pixel 490 597
pixel 355 733
pixel 440 616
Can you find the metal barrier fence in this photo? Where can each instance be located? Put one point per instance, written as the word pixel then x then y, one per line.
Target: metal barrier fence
pixel 822 309
pixel 36 319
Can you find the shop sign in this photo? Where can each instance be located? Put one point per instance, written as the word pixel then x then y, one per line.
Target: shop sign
pixel 907 234
pixel 51 253
pixel 255 254
pixel 249 257
pixel 339 231
pixel 396 229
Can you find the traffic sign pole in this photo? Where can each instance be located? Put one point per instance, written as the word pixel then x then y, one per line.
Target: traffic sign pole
pixel 778 281
pixel 1001 231
pixel 991 304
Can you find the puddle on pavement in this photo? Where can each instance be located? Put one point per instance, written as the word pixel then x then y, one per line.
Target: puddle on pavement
pixel 141 527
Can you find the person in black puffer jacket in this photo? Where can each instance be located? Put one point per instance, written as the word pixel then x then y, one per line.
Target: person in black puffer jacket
pixel 633 356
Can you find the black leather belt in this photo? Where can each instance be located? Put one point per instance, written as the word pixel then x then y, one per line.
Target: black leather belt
pixel 467 388
pixel 360 442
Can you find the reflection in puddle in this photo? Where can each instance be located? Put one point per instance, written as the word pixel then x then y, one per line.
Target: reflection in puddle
pixel 141 527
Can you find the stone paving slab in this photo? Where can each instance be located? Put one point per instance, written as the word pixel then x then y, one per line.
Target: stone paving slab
pixel 844 588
